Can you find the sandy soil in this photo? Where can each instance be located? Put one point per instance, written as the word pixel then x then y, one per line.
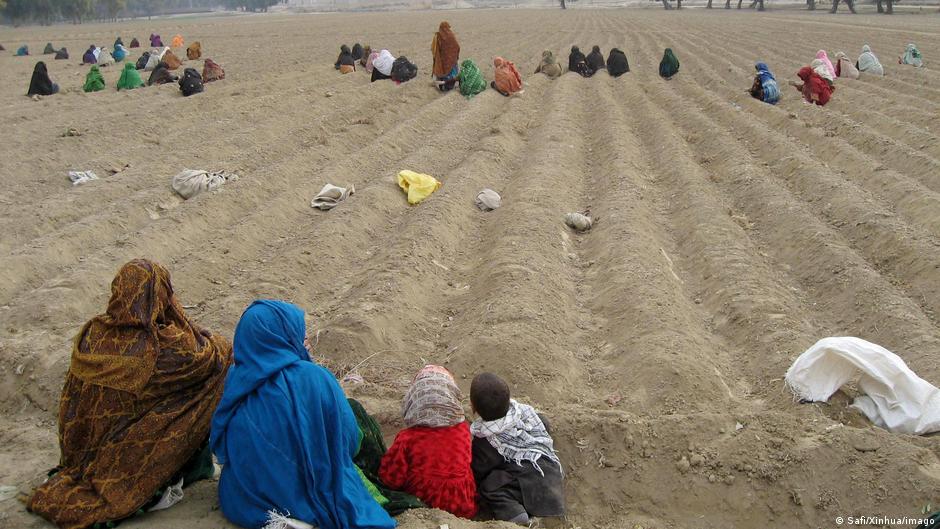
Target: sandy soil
pixel 732 236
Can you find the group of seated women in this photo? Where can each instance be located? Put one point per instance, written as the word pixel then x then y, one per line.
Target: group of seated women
pixel 150 396
pixel 160 61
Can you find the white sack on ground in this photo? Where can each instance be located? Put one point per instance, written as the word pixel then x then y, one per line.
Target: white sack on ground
pixel 190 182
pixel 330 196
pixel 893 397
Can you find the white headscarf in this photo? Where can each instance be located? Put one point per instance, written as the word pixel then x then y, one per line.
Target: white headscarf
pixel 822 70
pixel 383 63
pixel 846 68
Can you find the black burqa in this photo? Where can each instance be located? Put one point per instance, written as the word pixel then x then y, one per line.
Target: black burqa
pixel 40 84
pixel 617 63
pixel 161 75
pixel 357 51
pixel 403 70
pixel 577 62
pixel 62 54
pixel 191 82
pixel 345 57
pixel 142 61
pixel 595 59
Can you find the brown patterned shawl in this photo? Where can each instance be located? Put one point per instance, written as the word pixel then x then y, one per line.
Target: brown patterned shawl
pixel 194 51
pixel 172 61
pixel 445 49
pixel 137 402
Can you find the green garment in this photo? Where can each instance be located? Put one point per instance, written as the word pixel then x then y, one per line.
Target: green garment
pixel 669 66
pixel 471 79
pixel 912 56
pixel 371 449
pixel 49 49
pixel 130 79
pixel 94 81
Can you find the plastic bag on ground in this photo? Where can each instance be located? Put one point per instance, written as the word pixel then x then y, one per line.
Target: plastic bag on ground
pixel 893 397
pixel 418 186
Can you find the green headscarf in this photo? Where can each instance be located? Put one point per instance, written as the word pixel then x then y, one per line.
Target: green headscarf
pixel 94 81
pixel 130 79
pixel 471 79
pixel 669 66
pixel 912 56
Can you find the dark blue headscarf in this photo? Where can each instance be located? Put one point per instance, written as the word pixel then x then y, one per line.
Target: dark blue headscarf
pixel 285 432
pixel 763 71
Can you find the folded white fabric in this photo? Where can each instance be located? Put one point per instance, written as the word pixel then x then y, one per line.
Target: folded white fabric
pixel 171 496
pixel 190 182
pixel 81 177
pixel 894 397
pixel 488 200
pixel 330 196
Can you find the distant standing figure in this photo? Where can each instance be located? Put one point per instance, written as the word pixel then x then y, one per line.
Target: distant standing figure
pixel 40 83
pixel 549 66
pixel 508 81
pixel 617 63
pixel 868 63
pixel 669 65
pixel 765 85
pixel 912 57
pixel 577 63
pixel 595 59
pixel 446 52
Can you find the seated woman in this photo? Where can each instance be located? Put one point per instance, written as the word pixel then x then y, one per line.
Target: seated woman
pixel 508 81
pixel 814 88
pixel 617 63
pixel 191 82
pixel 549 66
pixel 117 41
pixel 819 66
pixel 446 52
pixel 430 458
pixel 301 466
pixel 136 407
pixel 382 65
pixel 364 61
pixel 177 41
pixel 130 78
pixel 577 63
pixel 669 65
pixel 161 75
pixel 22 51
pixel 912 57
pixel 823 57
pixel 62 55
pixel 194 51
pixel 345 62
pixel 120 52
pixel 94 81
pixel 403 70
pixel 143 61
pixel 471 79
pixel 135 43
pixel 90 56
pixel 40 83
pixel 868 63
pixel 357 51
pixel 155 41
pixel 211 71
pixel 765 85
pixel 104 57
pixel 595 59
pixel 845 69
pixel 172 61
pixel 49 49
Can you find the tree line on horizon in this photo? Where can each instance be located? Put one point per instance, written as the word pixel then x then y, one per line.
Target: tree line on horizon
pixel 77 11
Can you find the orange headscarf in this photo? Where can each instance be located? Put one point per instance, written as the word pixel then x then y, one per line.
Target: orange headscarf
pixel 177 42
pixel 508 79
pixel 445 49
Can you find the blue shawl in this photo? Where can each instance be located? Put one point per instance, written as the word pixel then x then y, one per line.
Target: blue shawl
pixel 285 432
pixel 764 72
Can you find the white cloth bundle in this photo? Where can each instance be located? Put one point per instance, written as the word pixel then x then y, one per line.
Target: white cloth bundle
pixel 384 62
pixel 330 196
pixel 894 397
pixel 81 177
pixel 488 200
pixel 190 182
pixel 104 57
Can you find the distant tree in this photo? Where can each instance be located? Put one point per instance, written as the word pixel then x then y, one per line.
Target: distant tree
pixel 811 5
pixel 563 6
pixel 113 7
pixel 76 10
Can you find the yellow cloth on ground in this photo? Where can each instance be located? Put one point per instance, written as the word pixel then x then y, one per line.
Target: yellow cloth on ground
pixel 418 186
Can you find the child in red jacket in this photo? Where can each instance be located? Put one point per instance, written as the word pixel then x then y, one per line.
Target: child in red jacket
pixel 431 457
